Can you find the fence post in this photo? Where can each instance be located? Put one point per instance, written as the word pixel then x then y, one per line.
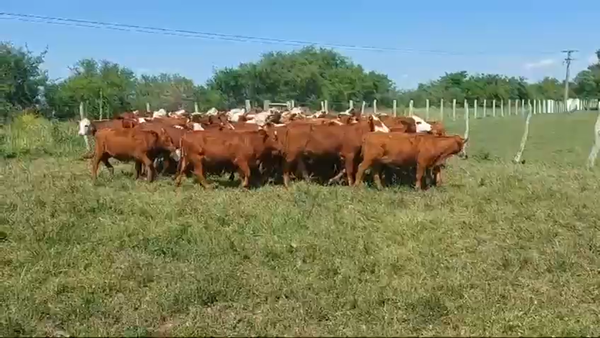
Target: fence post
pixel 362 109
pixel 475 109
pixel 293 103
pixel 100 105
pixel 529 106
pixel 493 108
pixel 523 107
pixel 196 107
pixel 322 106
pixel 266 104
pixel 453 109
pixel 395 107
pixel 82 116
pixel 375 107
pixel 519 154
pixel 410 107
pixel 427 109
pixel 466 136
pixel 351 104
pixel 508 107
pixel 147 106
pixel 326 107
pixel 502 108
pixel 441 109
pixel 535 105
pixel 596 146
pixel 484 107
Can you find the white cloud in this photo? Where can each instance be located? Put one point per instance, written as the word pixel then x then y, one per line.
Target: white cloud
pixel 540 64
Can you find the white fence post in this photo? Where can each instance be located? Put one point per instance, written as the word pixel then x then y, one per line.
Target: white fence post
pixel 395 107
pixel 427 109
pixel 441 109
pixel 519 154
pixel 453 109
pixel 410 107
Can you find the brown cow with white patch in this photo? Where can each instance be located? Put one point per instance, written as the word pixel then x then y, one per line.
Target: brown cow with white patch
pixel 407 150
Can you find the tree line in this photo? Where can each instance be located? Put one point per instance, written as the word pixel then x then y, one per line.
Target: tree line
pixel 307 75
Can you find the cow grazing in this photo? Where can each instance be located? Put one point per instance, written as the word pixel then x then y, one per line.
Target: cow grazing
pixel 243 149
pixel 142 146
pixel 407 150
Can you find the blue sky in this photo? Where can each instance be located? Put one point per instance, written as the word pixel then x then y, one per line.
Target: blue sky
pixel 510 37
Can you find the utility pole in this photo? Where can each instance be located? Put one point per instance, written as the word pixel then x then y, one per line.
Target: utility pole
pixel 568 60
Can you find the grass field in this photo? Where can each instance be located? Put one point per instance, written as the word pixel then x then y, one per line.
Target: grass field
pixel 501 249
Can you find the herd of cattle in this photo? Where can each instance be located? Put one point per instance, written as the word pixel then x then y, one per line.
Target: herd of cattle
pixel 274 145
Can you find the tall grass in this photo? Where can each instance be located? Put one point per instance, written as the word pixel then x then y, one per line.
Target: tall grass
pixel 32 136
pixel 500 249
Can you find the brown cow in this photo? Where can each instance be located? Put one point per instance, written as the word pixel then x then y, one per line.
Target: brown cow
pixel 142 146
pixel 324 141
pixel 243 149
pixel 399 149
pixel 87 127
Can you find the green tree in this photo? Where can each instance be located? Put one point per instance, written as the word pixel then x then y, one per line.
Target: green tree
pixel 21 79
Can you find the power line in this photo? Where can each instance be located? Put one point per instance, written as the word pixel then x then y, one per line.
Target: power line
pixel 219 36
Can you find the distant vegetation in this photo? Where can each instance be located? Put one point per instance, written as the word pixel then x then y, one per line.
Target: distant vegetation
pixel 307 76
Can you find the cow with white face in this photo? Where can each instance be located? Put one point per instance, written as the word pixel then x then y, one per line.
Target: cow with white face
pixel 378 125
pixel 421 125
pixel 85 127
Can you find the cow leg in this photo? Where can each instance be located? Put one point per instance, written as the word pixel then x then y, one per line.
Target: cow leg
pixel 364 165
pixel 350 169
pixel 287 166
pixel 109 166
pixel 437 173
pixel 420 173
pixel 337 177
pixel 244 171
pixel 199 171
pixel 138 169
pixel 149 167
pixel 302 169
pixel 231 176
pixel 377 175
pixel 182 166
pixel 95 164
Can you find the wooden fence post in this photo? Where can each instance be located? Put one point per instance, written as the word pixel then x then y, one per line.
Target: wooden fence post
pixel 147 106
pixel 362 109
pixel 453 109
pixel 326 107
pixel 427 109
pixel 322 106
pixel 410 107
pixel 351 104
pixel 375 107
pixel 441 109
pixel 85 137
pixel 395 108
pixel 484 107
pixel 466 136
pixel 475 109
pixel 596 147
pixel 519 154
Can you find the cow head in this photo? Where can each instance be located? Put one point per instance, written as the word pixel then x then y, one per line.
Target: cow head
pixel 377 125
pixel 270 137
pixel 166 142
pixel 127 123
pixel 86 127
pixel 420 125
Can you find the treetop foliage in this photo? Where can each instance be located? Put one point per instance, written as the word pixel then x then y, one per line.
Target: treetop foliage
pixel 307 75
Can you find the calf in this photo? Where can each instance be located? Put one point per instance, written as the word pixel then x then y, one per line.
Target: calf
pixel 421 150
pixel 142 146
pixel 243 149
